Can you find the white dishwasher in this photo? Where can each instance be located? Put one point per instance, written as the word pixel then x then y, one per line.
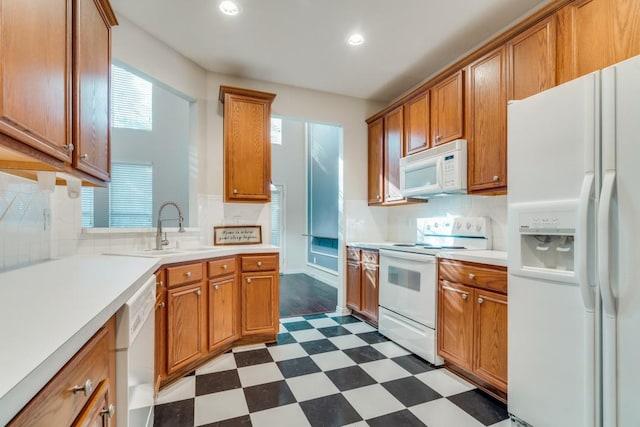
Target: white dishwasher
pixel 135 358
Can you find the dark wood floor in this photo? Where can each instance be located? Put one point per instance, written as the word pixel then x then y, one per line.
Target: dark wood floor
pixel 301 295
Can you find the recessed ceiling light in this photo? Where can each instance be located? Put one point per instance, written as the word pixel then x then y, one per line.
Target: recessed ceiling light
pixel 229 8
pixel 355 39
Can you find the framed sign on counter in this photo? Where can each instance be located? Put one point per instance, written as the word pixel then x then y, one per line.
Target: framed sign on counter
pixel 237 235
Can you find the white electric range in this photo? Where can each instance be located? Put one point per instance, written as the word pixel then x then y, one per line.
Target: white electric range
pixel 408 279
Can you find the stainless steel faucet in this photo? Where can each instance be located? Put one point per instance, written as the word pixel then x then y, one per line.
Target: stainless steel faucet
pixel 160 242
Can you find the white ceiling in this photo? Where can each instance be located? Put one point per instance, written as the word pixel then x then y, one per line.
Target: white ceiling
pixel 303 42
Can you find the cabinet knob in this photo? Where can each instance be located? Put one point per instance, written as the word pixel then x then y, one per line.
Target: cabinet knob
pixel 216 287
pixel 378 197
pixel 159 283
pixel 161 305
pixel 465 296
pixel 87 388
pixel 187 274
pixel 437 137
pixel 480 300
pixel 108 411
pixel 224 266
pixel 198 292
pixel 248 279
pixel 68 148
pixel 496 178
pixel 235 191
pixel 85 156
pixel 259 263
pixel 472 276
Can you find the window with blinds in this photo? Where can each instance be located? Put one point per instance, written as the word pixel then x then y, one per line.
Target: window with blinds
pixel 131 195
pixel 86 194
pixel 276 130
pixel 276 214
pixel 131 100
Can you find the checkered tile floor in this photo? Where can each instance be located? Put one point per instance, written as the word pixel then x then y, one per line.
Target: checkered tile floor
pixel 325 370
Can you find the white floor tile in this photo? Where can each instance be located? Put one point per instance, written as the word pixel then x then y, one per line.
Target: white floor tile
pixel 358 328
pixel 504 423
pixel 358 424
pixel 444 382
pixel 307 387
pixel 384 370
pixel 292 319
pixel 259 374
pixel 332 360
pixel 223 362
pixel 282 329
pixel 347 341
pixel 373 401
pixel 182 389
pixel 442 413
pixel 281 416
pixel 248 347
pixel 390 349
pixel 307 335
pixel 210 408
pixel 324 322
pixel 287 351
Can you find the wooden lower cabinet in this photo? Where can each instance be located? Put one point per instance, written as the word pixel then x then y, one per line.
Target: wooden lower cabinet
pixel 186 325
pixel 160 330
pixel 362 283
pixel 223 311
pixel 98 411
pixel 370 291
pixel 354 297
pixel 472 323
pixel 259 303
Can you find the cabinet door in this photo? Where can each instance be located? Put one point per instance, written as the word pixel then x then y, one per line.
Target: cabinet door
pixel 455 323
pixel 223 310
pixel 259 303
pixel 99 411
pixel 447 104
pixel 532 60
pixel 417 134
pixel 490 354
pixel 160 329
pixel 92 52
pixel 593 34
pixel 487 113
pixel 375 162
pixel 370 291
pixel 247 149
pixel 354 297
pixel 185 325
pixel 393 147
pixel 35 53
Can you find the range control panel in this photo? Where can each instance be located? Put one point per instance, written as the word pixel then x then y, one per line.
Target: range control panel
pixel 454 226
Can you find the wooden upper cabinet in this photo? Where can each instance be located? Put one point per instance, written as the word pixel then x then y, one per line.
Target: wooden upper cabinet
pixel 532 60
pixel 593 34
pixel 247 144
pixel 35 72
pixel 447 106
pixel 417 134
pixel 92 66
pixel 375 161
pixel 487 123
pixel 393 152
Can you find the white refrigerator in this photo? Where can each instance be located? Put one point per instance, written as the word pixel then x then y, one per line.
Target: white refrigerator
pixel 574 252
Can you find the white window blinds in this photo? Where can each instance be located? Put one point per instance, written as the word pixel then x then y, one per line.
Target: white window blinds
pixel 131 100
pixel 276 214
pixel 276 130
pixel 131 195
pixel 86 195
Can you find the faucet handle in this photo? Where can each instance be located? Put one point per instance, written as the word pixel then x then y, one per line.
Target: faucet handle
pixel 164 241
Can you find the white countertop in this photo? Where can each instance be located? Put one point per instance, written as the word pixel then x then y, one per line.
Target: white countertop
pixel 484 257
pixel 48 311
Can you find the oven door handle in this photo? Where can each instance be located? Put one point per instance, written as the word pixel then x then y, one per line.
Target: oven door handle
pixel 424 258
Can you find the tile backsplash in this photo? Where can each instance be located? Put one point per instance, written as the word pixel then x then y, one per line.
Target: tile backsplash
pixel 25 223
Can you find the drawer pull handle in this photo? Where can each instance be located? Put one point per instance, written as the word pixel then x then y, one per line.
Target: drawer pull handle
pixel 465 296
pixel 108 411
pixel 472 276
pixel 480 300
pixel 224 266
pixel 216 287
pixel 187 274
pixel 259 263
pixel 87 388
pixel 248 279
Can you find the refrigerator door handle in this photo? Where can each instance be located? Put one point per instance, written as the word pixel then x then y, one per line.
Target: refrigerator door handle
pixel 588 294
pixel 606 290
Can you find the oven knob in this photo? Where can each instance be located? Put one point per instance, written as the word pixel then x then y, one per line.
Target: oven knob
pixel 478 227
pixel 468 226
pixel 458 226
pixel 435 225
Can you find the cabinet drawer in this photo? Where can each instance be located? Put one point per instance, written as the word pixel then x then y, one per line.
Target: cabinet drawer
pixel 478 275
pixel 218 267
pixel 183 274
pixel 353 254
pixel 259 262
pixel 370 257
pixel 57 404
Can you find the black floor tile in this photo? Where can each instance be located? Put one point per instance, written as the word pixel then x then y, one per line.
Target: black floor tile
pixel 297 326
pixel 413 364
pixel 217 381
pixel 400 418
pixel 411 391
pixel 252 357
pixel 315 316
pixel 345 319
pixel 283 338
pixel 481 406
pixel 330 411
pixel 318 346
pixel 350 378
pixel 373 337
pixel 269 395
pixel 174 414
pixel 296 367
pixel 334 331
pixel 364 354
pixel 244 420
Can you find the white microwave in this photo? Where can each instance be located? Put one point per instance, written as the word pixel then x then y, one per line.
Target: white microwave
pixel 436 171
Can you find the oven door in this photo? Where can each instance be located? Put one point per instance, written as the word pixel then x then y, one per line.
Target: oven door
pixel 408 285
